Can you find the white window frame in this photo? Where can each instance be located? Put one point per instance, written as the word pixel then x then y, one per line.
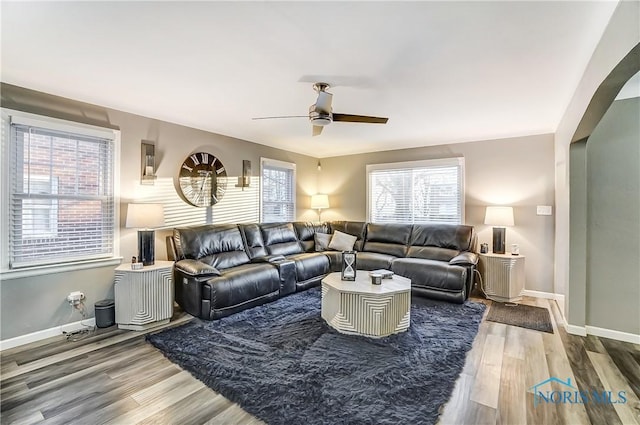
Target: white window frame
pixel 8 116
pixel 277 164
pixel 457 161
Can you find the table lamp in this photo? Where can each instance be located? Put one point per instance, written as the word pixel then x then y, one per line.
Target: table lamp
pixel 499 217
pixel 145 217
pixel 319 202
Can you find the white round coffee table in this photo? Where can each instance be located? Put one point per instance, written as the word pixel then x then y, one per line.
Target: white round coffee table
pixel 361 308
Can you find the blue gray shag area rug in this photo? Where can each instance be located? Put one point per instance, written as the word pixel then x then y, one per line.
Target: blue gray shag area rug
pixel 282 363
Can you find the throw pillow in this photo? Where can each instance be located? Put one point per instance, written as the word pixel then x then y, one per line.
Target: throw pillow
pixel 342 241
pixel 322 241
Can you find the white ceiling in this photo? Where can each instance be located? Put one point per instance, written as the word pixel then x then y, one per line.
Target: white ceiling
pixel 443 72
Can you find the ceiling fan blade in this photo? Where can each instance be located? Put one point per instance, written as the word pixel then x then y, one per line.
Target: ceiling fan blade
pixel 284 116
pixel 323 104
pixel 317 130
pixel 359 118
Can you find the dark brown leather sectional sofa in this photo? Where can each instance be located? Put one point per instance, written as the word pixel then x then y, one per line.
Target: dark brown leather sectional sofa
pixel 224 269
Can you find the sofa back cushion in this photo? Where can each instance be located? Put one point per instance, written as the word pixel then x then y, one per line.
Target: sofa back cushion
pixel 220 246
pixel 440 241
pixel 280 239
pixel 391 239
pixel 354 228
pixel 306 231
pixel 253 238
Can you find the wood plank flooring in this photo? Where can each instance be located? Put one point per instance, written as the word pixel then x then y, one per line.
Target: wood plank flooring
pixel 115 377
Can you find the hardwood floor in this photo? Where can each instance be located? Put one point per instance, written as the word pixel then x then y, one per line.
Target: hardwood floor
pixel 115 377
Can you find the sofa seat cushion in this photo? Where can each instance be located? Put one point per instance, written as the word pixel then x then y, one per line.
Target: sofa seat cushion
pixel 431 273
pixel 373 261
pixel 431 253
pixel 238 285
pixel 310 265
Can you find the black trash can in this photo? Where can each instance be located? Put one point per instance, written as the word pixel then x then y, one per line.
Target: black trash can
pixel 105 313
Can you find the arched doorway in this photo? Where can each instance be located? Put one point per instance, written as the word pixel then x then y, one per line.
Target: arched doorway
pixel 606 289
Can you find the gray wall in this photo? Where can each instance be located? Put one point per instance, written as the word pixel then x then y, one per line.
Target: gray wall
pixel 578 234
pixel 517 171
pixel 36 303
pixel 613 220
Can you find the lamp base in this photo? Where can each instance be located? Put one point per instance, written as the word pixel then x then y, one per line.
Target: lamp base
pixel 498 239
pixel 146 245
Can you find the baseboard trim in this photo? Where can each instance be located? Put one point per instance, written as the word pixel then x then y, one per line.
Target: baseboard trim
pixel 46 333
pixel 549 296
pixel 613 334
pixel 540 294
pixel 575 330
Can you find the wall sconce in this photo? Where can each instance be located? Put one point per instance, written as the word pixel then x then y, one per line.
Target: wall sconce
pixel 245 179
pixel 319 166
pixel 145 217
pixel 319 202
pixel 499 217
pixel 148 166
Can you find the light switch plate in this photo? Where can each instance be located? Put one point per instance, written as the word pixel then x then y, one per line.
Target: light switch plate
pixel 543 210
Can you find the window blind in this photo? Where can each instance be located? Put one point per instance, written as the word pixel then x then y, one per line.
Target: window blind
pixel 278 191
pixel 416 192
pixel 61 200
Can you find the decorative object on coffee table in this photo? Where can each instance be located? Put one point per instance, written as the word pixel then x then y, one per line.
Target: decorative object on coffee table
pixel 360 308
pixel 348 265
pixel 499 217
pixel 145 217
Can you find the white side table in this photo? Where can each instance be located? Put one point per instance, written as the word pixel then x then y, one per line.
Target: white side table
pixel 503 276
pixel 144 298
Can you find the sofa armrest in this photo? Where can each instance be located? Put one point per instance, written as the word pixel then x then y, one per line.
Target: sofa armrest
pixel 196 269
pixel 268 259
pixel 465 258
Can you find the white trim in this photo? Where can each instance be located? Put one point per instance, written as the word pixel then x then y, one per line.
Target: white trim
pixel 46 333
pixel 560 302
pixel 453 161
pixel 575 330
pixel 540 294
pixel 613 334
pixel 559 298
pixel 458 160
pixel 113 135
pixel 604 333
pixel 42 121
pixel 287 166
pixel 57 268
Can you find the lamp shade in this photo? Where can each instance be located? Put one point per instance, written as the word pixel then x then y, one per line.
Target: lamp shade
pixel 499 216
pixel 145 216
pixel 319 201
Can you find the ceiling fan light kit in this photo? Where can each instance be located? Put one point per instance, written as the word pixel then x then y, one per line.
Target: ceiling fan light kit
pixel 321 115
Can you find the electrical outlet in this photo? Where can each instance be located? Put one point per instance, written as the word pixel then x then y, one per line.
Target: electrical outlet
pixel 75 297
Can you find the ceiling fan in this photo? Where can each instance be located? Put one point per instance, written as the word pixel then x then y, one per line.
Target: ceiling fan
pixel 320 113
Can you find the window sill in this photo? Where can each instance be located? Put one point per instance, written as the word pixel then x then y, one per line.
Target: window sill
pixel 7 274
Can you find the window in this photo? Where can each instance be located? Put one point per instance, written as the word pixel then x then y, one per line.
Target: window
pixel 430 191
pixel 278 189
pixel 61 202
